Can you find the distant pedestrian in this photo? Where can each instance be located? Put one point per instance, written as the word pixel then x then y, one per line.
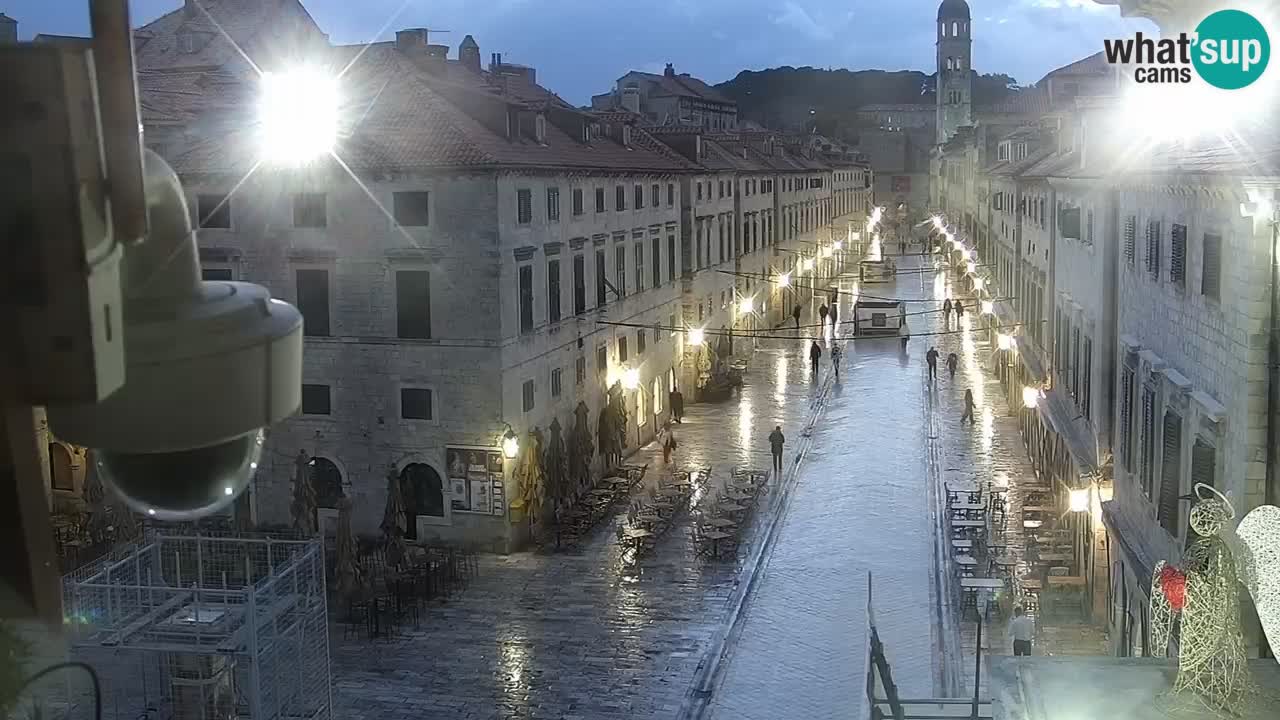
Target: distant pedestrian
pixel 815 354
pixel 669 447
pixel 959 311
pixel 795 315
pixel 931 357
pixel 835 360
pixel 905 335
pixel 822 313
pixel 776 441
pixel 946 312
pixel 1023 629
pixel 953 361
pixel 834 315
pixel 968 407
pixel 677 405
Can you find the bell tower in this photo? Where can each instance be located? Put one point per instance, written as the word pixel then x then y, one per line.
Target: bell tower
pixel 955 84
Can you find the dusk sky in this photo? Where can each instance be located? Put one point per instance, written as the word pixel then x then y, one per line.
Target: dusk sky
pixel 580 47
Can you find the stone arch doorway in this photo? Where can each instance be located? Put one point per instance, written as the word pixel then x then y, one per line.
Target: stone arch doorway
pixel 423 493
pixel 61 474
pixel 326 482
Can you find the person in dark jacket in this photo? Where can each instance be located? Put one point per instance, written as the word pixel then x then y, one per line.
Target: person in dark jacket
pixel 795 315
pixel 776 441
pixel 677 405
pixel 931 357
pixel 815 354
pixel 959 311
pixel 953 361
pixel 822 313
pixel 946 312
pixel 968 407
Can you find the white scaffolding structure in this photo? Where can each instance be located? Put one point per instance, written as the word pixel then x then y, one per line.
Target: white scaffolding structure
pixel 203 627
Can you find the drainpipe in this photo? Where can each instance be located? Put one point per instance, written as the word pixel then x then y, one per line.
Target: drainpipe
pixel 1273 366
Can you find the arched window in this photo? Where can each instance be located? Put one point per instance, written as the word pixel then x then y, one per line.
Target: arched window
pixel 960 63
pixel 423 493
pixel 949 63
pixel 943 30
pixel 326 481
pixel 955 27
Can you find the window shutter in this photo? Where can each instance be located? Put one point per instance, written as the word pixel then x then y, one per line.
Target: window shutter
pixel 1153 249
pixel 1171 473
pixel 1148 440
pixel 1178 255
pixel 1211 273
pixel 1126 419
pixel 1203 464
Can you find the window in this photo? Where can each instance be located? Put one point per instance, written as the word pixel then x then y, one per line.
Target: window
pixel 413 304
pixel 1171 474
pixel 315 399
pixel 1126 419
pixel 642 417
pixel 526 396
pixel 526 298
pixel 579 370
pixel 699 192
pixel 671 194
pixel 1211 268
pixel 313 301
pixel 638 194
pixel 416 404
pixel 657 261
pixel 720 257
pixel 601 286
pixel 553 204
pixel 309 210
pixel 1086 387
pixel 620 269
pixel 1148 440
pixel 1153 249
pixel 1130 235
pixel 216 273
pixel 579 285
pixel 721 188
pixel 671 324
pixel 671 257
pixel 577 202
pixel 641 343
pixel 1075 362
pixel 657 395
pixel 639 267
pixel 412 209
pixel 622 348
pixel 619 198
pixel 553 291
pixel 655 195
pixel 214 211
pixel 599 200
pixel 1178 255
pixel 1088 228
pixel 524 206
pixel 602 359
pixel 1203 469
pixel 555 382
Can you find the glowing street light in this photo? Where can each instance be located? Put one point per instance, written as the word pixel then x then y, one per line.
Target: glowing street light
pixel 839 245
pixel 978 282
pixel 826 252
pixel 1078 500
pixel 937 222
pixel 631 379
pixel 971 267
pixel 1030 397
pixel 988 307
pixel 1004 342
pixel 297 115
pixel 747 306
pixel 784 280
pixel 510 444
pixel 806 265
pixel 697 336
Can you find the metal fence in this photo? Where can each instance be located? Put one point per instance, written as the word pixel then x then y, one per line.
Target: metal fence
pixel 201 627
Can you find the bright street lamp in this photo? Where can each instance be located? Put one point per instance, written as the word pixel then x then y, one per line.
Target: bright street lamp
pixel 971 267
pixel 697 336
pixel 747 306
pixel 1030 397
pixel 297 115
pixel 784 280
pixel 631 379
pixel 1004 342
pixel 978 282
pixel 510 444
pixel 839 245
pixel 988 307
pixel 1078 500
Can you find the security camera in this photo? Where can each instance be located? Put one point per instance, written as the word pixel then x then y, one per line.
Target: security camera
pixel 207 366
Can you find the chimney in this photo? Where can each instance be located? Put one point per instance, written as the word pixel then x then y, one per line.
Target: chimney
pixel 8 30
pixel 631 98
pixel 411 40
pixel 435 58
pixel 469 54
pixel 670 71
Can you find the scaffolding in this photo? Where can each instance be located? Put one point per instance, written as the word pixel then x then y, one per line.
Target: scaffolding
pixel 203 627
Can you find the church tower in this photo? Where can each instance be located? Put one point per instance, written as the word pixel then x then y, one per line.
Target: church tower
pixel 955 84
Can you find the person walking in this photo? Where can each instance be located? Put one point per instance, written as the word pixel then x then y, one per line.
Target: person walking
pixel 959 307
pixel 835 359
pixel 822 313
pixel 931 357
pixel 946 312
pixel 795 315
pixel 953 361
pixel 815 354
pixel 677 405
pixel 968 407
pixel 776 441
pixel 834 315
pixel 1022 628
pixel 669 447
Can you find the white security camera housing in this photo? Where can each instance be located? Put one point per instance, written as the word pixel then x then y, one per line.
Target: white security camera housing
pixel 209 365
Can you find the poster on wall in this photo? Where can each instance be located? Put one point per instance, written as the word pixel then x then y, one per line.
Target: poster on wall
pixel 475 480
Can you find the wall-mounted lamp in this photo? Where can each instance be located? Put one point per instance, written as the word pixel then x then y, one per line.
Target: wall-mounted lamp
pixel 510 443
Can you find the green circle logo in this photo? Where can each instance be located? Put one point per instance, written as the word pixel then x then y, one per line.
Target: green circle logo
pixel 1231 49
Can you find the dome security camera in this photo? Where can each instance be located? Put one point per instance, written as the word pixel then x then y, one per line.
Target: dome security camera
pixel 209 365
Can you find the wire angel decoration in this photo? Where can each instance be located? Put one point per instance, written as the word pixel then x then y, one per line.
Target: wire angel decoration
pixel 1201 599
